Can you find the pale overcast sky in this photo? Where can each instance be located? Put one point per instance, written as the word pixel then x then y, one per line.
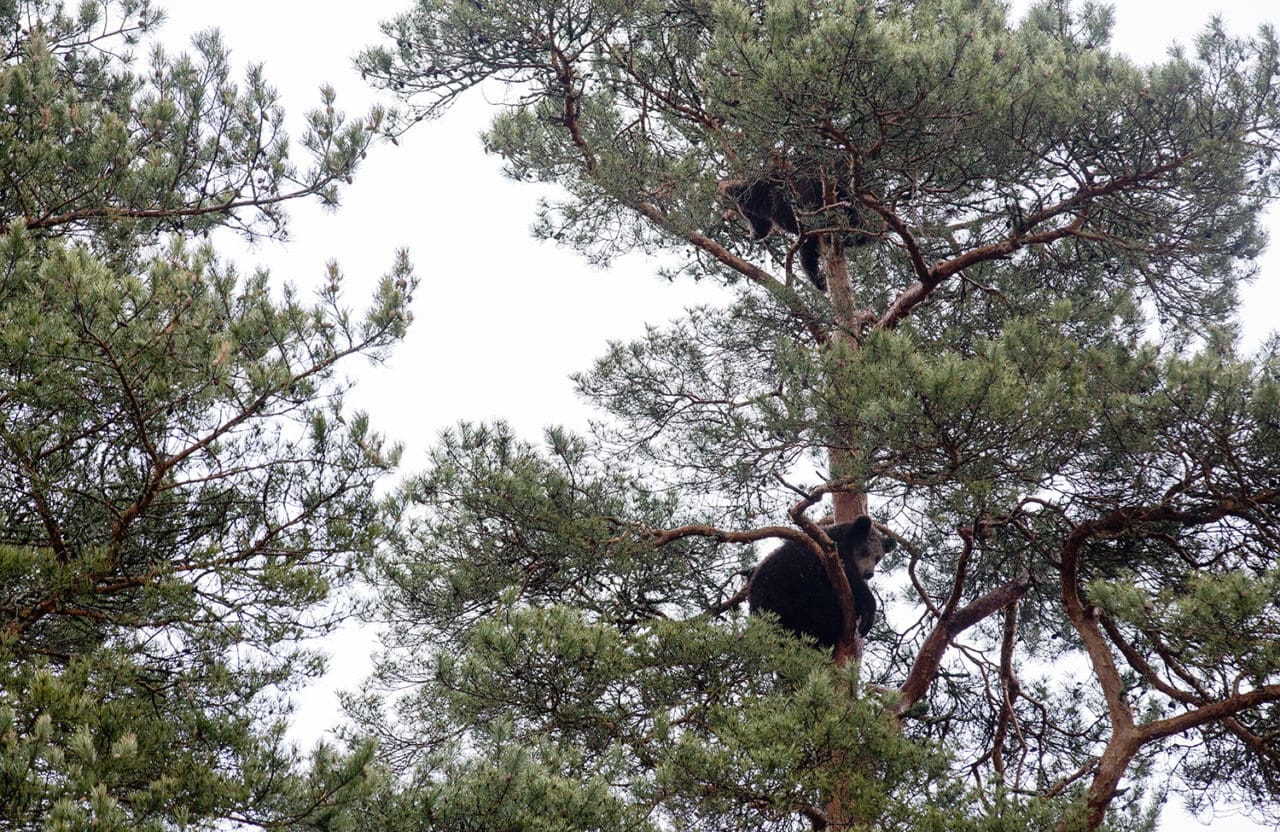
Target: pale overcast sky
pixel 492 337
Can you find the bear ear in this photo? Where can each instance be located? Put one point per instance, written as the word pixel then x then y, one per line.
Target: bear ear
pixel 858 531
pixel 887 543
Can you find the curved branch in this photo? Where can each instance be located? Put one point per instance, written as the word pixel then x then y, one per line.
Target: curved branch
pixel 1144 668
pixel 1222 709
pixel 929 278
pixel 925 668
pixel 1127 738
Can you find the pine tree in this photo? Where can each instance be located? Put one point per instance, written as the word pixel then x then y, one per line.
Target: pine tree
pixel 1016 347
pixel 184 488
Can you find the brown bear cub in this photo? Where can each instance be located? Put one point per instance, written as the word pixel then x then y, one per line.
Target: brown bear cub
pixel 792 584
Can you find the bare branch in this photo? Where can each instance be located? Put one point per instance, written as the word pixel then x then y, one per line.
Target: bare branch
pixel 925 668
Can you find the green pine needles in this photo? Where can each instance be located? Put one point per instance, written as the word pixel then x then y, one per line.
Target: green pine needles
pixel 1025 364
pixel 184 487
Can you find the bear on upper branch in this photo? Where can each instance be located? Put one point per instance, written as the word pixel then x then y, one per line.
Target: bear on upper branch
pixel 773 200
pixel 792 583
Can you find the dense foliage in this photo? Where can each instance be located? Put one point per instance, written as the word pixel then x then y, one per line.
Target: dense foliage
pixel 184 484
pixel 1024 364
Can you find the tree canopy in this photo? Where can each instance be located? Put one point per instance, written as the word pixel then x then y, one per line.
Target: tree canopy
pixel 185 486
pixel 1024 363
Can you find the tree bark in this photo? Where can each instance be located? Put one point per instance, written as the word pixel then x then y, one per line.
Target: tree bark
pixel 846 505
pixel 925 668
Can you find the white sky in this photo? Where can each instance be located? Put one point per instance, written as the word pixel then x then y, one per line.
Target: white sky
pixel 490 338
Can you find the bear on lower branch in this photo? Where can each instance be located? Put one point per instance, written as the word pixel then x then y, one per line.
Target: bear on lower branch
pixel 792 583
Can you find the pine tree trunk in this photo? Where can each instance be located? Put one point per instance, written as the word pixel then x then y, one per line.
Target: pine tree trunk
pixel 846 505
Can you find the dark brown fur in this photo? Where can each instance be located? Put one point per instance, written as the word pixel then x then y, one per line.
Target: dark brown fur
pixel 792 584
pixel 772 201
